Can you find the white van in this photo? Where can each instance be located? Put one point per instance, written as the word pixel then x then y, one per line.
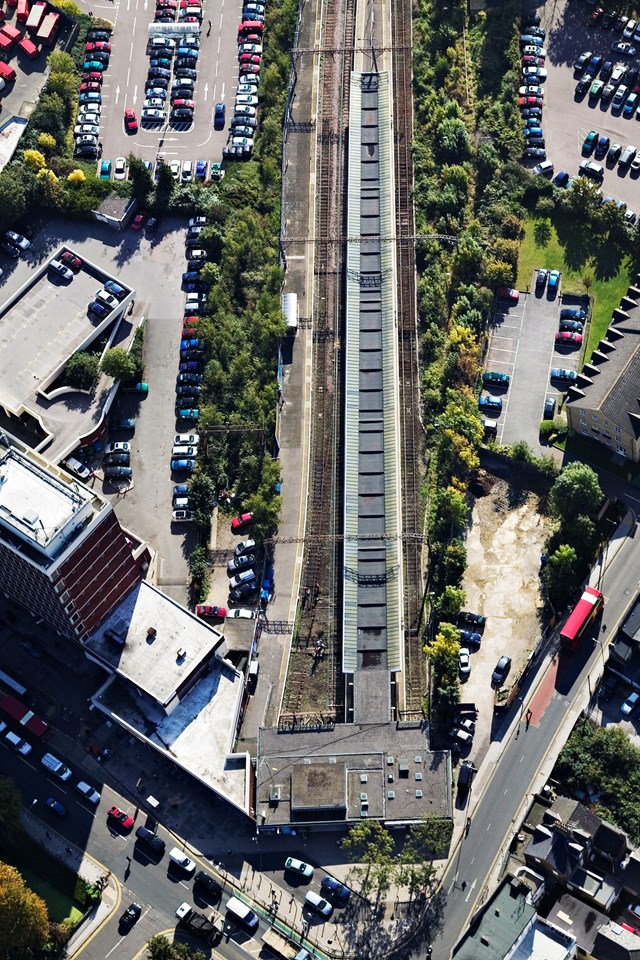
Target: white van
pixel 18 743
pixel 55 766
pixel 242 913
pixel 245 576
pixel 180 858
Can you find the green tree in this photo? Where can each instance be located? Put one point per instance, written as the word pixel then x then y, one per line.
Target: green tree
pixel 65 85
pixel 10 813
pixel 445 683
pixel 164 186
pixel 576 491
pixel 265 503
pixel 455 562
pixel 202 494
pixel 81 370
pixel 160 948
pixel 370 845
pixel 46 142
pixel 560 576
pixel 13 197
pixel 450 602
pixel 119 364
pixel 60 62
pixel 142 184
pixel 24 922
pixel 451 141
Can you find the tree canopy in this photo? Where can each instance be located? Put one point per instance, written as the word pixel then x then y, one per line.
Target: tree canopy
pixel 24 922
pixel 119 364
pixel 576 491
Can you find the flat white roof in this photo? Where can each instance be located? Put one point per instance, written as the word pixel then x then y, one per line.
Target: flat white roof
pixel 163 642
pixel 38 506
pixel 198 735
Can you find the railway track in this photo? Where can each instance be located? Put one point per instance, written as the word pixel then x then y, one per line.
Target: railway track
pixel 317 645
pixel 411 434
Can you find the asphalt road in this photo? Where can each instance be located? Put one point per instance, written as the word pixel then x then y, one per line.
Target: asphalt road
pixel 566 121
pixel 125 78
pixel 495 815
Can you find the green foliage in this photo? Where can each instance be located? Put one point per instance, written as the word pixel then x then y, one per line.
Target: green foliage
pixel 161 948
pixel 141 181
pixel 202 494
pixel 10 813
pixel 119 364
pixel 576 491
pixel 137 353
pixel 547 428
pixel 560 576
pixel 445 683
pixel 200 572
pixel 81 370
pixel 24 923
pixel 450 602
pixel 605 760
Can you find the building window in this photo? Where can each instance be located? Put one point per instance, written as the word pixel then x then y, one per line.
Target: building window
pixel 606 433
pixel 608 443
pixel 621 450
pixel 586 433
pixel 595 429
pixel 583 412
pixel 618 429
pixel 584 423
pixel 606 423
pixel 594 416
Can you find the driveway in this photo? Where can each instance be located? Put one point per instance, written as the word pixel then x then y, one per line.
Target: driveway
pixel 523 345
pixel 566 121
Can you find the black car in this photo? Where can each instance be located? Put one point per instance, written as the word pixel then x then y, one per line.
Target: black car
pixel 582 86
pixel 607 21
pixel 9 249
pixel 190 390
pixel 205 883
pixel 219 116
pixel 130 916
pixel 159 73
pixel 95 35
pixel 549 408
pixel 161 82
pixel 606 70
pixel 571 326
pixel 121 473
pixel 118 459
pixel 466 616
pixel 631 78
pixel 152 225
pixel 243 590
pixel 186 73
pixel 189 62
pixel 244 122
pixel 501 672
pixel 531 113
pixel 535 153
pixel 182 114
pixel 151 841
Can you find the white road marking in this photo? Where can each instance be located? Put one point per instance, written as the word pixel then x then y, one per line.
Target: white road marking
pixel 471 889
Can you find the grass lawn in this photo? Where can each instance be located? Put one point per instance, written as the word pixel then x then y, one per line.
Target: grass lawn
pixel 59 905
pixel 561 244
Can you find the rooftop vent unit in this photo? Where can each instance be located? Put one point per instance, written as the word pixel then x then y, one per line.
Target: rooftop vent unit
pixel 274 794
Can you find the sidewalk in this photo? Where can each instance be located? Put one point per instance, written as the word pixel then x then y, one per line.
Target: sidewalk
pixel 87 868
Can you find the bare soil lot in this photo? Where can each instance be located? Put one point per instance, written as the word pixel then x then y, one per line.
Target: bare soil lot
pixel 504 544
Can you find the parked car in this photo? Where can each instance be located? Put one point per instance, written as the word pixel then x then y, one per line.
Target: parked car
pixel 336 890
pixel 549 408
pixel 573 313
pixel 501 671
pixel 298 866
pixel 560 373
pixel 207 610
pixel 470 636
pixel 554 281
pixel 120 817
pixel 630 704
pixel 464 663
pixel 241 521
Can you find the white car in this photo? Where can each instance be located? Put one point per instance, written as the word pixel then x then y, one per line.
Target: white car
pixel 244 547
pixel 152 113
pixel 120 169
pixel 245 142
pixel 163 42
pixel 183 910
pixel 91 128
pixel 107 298
pixel 174 166
pixel 536 73
pixel 531 92
pixel 17 240
pixel 182 516
pixel 245 576
pixel 187 438
pixel 117 448
pixel 250 48
pixel 88 792
pixel 249 88
pixel 153 103
pixel 464 662
pixel 187 171
pixel 95 109
pixel 180 451
pixel 245 100
pixel 88 116
pixel 197 222
pixel 75 466
pixel 241 613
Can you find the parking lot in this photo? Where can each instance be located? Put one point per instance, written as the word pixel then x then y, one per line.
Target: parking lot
pixel 523 346
pixel 567 120
pixel 124 84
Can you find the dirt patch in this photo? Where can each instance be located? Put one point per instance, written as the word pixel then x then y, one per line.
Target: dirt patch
pixel 505 540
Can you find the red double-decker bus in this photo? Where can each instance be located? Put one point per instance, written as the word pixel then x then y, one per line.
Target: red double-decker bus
pixel 581 617
pixel 25 718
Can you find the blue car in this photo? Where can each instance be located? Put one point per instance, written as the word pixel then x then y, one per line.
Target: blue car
pixel 554 281
pixel 127 423
pixel 98 309
pixel 337 890
pixel 190 366
pixel 201 169
pixel 630 106
pixel 189 344
pixel 115 288
pixel 188 52
pixel 189 413
pixel 198 286
pixel 187 465
pixel 161 62
pixel 490 404
pixel 57 807
pixel 181 490
pixel 470 636
pixel 573 313
pixel 190 275
pixel 594 66
pixel 559 373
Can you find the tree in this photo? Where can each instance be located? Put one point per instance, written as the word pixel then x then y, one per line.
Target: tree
pixel 142 184
pixel 202 494
pixel 119 364
pixel 576 491
pixel 10 812
pixel 445 682
pixel 370 845
pixel 65 85
pixel 451 141
pixel 449 603
pixel 46 142
pixel 81 370
pixel 60 62
pixel 13 198
pixel 34 159
pixel 24 922
pixel 160 948
pixel 560 576
pixel 164 185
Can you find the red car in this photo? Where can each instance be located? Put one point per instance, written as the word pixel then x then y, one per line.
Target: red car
pixel 250 58
pixel 90 87
pixel 249 38
pixel 183 103
pixel 189 3
pixel 205 610
pixel 123 819
pixel 130 120
pixel 98 45
pixel 92 75
pixel 70 260
pixel 506 293
pixel 250 68
pixel 172 4
pixel 190 321
pixel 530 101
pixel 566 336
pixel 530 61
pixel 139 220
pixel 239 522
